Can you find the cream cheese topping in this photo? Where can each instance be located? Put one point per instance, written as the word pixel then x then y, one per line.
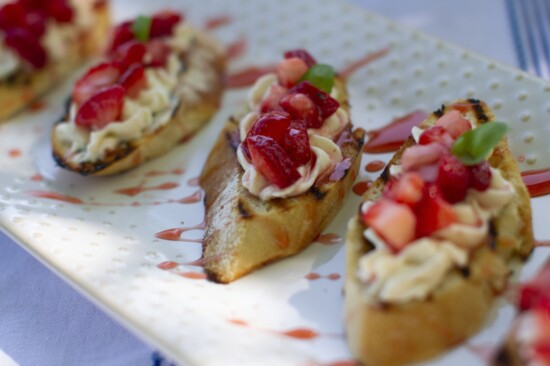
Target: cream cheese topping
pixel 9 62
pixel 327 153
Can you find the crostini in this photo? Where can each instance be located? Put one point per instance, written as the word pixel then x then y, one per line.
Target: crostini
pixel 161 82
pixel 280 170
pixel 430 247
pixel 528 342
pixel 42 42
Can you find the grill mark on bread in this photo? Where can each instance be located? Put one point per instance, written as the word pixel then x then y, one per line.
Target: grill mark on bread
pixel 317 193
pixel 503 357
pixel 385 175
pixel 464 271
pixel 243 211
pixel 480 113
pixel 440 112
pixel 233 139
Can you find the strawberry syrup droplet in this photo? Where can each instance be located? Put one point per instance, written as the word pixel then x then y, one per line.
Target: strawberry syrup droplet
pixel 14 153
pixel 193 275
pixel 375 166
pixel 537 181
pixel 390 137
pixel 542 243
pixel 217 22
pixel 193 182
pixel 312 276
pixel 248 76
pixel 167 265
pixel 55 196
pixel 301 333
pixel 360 188
pixel 134 191
pixel 236 49
pixel 354 66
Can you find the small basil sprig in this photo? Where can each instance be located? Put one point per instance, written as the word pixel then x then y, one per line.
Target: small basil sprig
pixel 141 27
pixel 472 147
pixel 321 76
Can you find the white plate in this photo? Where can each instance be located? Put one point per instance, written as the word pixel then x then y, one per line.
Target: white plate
pixel 107 248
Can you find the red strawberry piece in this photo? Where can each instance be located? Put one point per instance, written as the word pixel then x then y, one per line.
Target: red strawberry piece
pixel 432 212
pixel 35 23
pixel 96 78
pixel 271 161
pixel 303 55
pixel 163 23
pixel 327 104
pixel 121 34
pixel 12 15
pixel 134 80
pixel 296 143
pixel 271 124
pixel 290 70
pixel 60 10
pixel 480 176
pixel 300 106
pixel 454 123
pixel 130 53
pixel 159 52
pixel 26 45
pixel 407 189
pixel 271 102
pixel 436 134
pixel 33 4
pixel 536 292
pixel 453 178
pixel 394 222
pixel 421 155
pixel 101 109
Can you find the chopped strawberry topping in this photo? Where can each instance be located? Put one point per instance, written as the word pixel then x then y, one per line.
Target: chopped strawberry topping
pixel 134 80
pixel 454 123
pixel 432 212
pixel 296 143
pixel 101 109
pixel 271 124
pixel 480 176
pixel 327 105
pixel 272 161
pixel 300 106
pixel 35 23
pixel 407 189
pixel 536 293
pixel 96 78
pixel 271 102
pixel 159 51
pixel 12 15
pixel 394 222
pixel 60 10
pixel 303 55
pixel 26 45
pixel 289 71
pixel 453 179
pixel 121 34
pixel 421 155
pixel 436 134
pixel 163 23
pixel 130 53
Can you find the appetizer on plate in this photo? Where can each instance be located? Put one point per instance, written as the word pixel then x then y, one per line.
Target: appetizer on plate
pixel 280 170
pixel 161 82
pixel 431 245
pixel 528 342
pixel 42 42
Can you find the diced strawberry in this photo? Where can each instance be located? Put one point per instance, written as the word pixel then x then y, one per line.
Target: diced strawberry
pixel 121 34
pixel 454 123
pixel 159 51
pixel 130 53
pixel 436 134
pixel 60 10
pixel 536 293
pixel 26 45
pixel 12 15
pixel 101 109
pixel 393 222
pixel 35 23
pixel 407 189
pixel 271 124
pixel 290 70
pixel 300 106
pixel 303 55
pixel 480 176
pixel 271 161
pixel 271 102
pixel 296 143
pixel 96 78
pixel 134 80
pixel 327 104
pixel 421 155
pixel 432 212
pixel 33 4
pixel 163 23
pixel 453 178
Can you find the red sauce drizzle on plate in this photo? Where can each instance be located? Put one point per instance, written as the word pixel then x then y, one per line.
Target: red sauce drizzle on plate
pixel 193 182
pixel 134 191
pixel 37 178
pixel 236 49
pixel 390 137
pixel 167 265
pixel 328 238
pixel 537 181
pixel 360 188
pixel 55 196
pixel 217 22
pixel 542 243
pixel 193 275
pixel 375 166
pixel 14 153
pixel 300 333
pixel 315 276
pixel 247 77
pixel 155 173
pixel 174 235
pixel 354 66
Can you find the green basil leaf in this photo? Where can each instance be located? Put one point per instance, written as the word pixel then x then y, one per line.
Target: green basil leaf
pixel 473 146
pixel 141 27
pixel 321 76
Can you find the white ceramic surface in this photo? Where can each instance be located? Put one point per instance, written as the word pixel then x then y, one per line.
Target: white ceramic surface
pixel 105 244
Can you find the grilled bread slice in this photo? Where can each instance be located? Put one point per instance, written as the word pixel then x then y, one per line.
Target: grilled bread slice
pixel 457 308
pixel 243 232
pixel 24 86
pixel 198 94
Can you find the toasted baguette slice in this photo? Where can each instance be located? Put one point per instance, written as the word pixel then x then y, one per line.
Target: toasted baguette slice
pixel 244 233
pixel 19 90
pixel 205 62
pixel 400 333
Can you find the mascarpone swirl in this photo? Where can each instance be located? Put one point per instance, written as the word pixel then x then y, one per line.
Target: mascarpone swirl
pixel 418 269
pixel 327 153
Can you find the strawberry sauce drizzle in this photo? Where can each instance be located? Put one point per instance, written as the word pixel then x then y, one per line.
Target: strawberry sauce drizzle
pixel 360 188
pixel 537 181
pixel 296 333
pixel 174 234
pixel 14 153
pixel 375 166
pixel 193 275
pixel 354 66
pixel 193 182
pixel 217 22
pixel 134 191
pixel 37 178
pixel 248 76
pixel 390 137
pixel 193 198
pixel 167 265
pixel 315 276
pixel 156 173
pixel 542 243
pixel 328 239
pixel 236 49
